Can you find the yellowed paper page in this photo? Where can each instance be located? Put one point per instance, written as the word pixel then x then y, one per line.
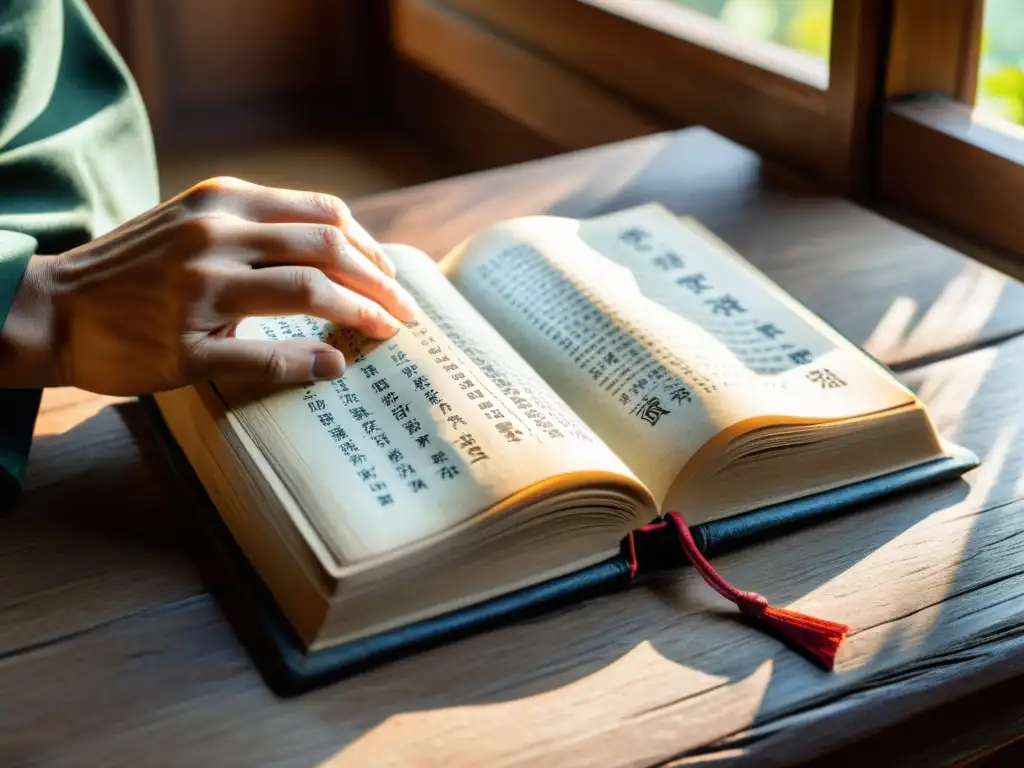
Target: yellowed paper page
pixel 810 370
pixel 653 338
pixel 423 432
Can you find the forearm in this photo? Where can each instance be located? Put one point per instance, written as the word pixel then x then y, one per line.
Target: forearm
pixel 29 336
pixel 76 160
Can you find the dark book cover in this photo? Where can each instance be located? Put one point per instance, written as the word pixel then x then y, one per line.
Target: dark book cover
pixel 289 669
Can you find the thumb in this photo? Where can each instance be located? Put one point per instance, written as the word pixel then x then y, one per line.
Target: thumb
pixel 276 362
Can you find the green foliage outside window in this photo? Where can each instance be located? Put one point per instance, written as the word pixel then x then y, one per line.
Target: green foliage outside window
pixel 1001 80
pixel 806 26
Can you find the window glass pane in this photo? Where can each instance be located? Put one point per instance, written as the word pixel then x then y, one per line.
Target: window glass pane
pixel 805 25
pixel 1001 79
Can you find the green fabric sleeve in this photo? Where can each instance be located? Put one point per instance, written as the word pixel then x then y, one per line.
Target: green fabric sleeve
pixel 76 160
pixel 18 407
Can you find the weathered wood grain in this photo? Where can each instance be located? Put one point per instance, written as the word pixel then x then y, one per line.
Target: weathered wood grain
pixel 100 531
pixel 933 584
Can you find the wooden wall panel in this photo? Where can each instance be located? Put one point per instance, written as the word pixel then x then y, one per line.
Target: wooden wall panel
pixel 233 70
pixel 111 16
pixel 239 50
pixel 544 96
pixel 464 130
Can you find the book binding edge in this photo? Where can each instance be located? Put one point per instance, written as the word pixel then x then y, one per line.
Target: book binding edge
pixel 288 669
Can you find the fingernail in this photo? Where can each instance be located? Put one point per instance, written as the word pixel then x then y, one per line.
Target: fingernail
pixel 328 364
pixel 388 324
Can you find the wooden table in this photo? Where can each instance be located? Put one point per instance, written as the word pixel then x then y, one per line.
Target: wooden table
pixel 113 652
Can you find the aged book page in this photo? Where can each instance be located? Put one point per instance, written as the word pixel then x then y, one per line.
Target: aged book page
pixel 423 432
pixel 798 364
pixel 655 339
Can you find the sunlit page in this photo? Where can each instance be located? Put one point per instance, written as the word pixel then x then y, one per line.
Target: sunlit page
pixel 422 432
pixel 654 337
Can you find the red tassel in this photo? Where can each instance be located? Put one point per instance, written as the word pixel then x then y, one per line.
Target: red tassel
pixel 817 639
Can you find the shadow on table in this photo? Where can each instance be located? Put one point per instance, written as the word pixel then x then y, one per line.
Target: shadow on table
pixel 101 472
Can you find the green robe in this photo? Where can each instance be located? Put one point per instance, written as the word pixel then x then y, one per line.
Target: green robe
pixel 76 160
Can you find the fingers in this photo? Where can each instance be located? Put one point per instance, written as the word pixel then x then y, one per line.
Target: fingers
pixel 274 362
pixel 326 248
pixel 302 290
pixel 271 205
pixel 317 208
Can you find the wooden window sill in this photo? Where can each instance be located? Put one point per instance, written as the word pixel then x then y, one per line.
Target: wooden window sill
pixel 672 75
pixel 688 69
pixel 710 34
pixel 942 161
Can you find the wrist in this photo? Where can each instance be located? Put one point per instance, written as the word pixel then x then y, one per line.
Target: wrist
pixel 30 355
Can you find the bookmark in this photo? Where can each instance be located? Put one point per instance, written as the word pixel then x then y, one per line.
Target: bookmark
pixel 816 639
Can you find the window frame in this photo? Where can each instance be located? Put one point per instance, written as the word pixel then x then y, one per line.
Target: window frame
pixel 819 131
pixel 939 159
pixel 902 77
pixel 556 104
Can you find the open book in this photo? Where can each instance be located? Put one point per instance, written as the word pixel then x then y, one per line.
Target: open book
pixel 564 382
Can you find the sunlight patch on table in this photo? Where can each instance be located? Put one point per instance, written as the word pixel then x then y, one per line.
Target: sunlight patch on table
pixel 642 681
pixel 963 308
pixel 948 389
pixel 920 567
pixel 886 340
pixel 65 408
pixel 456 207
pixel 956 318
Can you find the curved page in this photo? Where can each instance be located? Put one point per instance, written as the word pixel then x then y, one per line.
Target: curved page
pixel 657 339
pixel 423 432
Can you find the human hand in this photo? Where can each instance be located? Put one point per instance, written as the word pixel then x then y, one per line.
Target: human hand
pixel 153 304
